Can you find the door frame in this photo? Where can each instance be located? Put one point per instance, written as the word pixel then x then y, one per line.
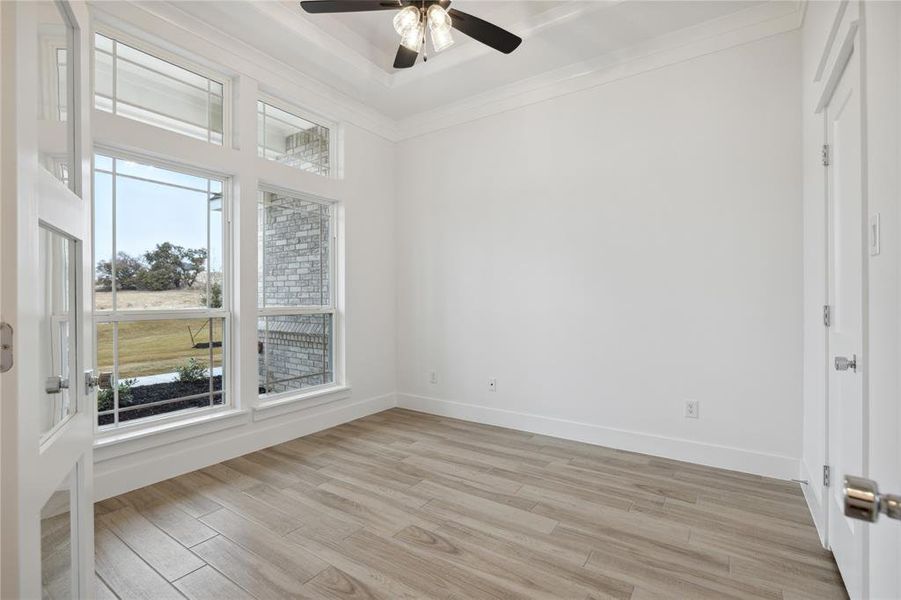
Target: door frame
pixel 30 469
pixel 844 43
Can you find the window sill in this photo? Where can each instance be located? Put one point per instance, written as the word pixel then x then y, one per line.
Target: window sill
pixel 301 401
pixel 112 444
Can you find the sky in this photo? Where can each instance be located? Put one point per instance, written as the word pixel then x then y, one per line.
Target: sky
pixel 150 213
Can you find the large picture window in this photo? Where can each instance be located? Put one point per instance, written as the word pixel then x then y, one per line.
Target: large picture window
pixel 134 84
pixel 296 293
pixel 160 293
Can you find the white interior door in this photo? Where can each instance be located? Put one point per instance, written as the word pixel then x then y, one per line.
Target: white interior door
pixel 47 411
pixel 846 256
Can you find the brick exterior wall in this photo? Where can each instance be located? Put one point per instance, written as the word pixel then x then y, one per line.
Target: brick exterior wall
pixel 294 247
pixel 308 150
pixel 296 353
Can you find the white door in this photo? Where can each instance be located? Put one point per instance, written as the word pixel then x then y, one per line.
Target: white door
pixel 47 411
pixel 846 284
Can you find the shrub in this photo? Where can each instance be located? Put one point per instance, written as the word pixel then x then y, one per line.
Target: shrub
pixel 106 397
pixel 190 372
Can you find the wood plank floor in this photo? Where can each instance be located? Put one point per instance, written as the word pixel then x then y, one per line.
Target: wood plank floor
pixel 406 505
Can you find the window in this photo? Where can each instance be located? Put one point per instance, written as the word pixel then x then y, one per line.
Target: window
pixel 160 304
pixel 56 141
pixel 295 340
pixel 139 86
pixel 291 140
pixel 62 75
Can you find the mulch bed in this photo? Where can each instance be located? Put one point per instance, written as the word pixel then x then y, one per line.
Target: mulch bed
pixel 145 394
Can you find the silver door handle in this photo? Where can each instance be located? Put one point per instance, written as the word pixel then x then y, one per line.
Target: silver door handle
pixel 91 380
pixel 55 384
pixel 864 502
pixel 842 363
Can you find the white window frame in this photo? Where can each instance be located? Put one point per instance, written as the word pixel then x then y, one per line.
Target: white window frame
pixel 177 60
pixel 325 309
pixel 129 316
pixel 237 161
pixel 312 117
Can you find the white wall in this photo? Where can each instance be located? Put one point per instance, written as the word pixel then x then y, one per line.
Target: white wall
pixel 370 271
pixel 609 254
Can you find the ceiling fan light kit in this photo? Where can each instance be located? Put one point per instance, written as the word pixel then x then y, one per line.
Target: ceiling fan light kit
pixel 412 37
pixel 406 18
pixel 439 27
pixel 412 19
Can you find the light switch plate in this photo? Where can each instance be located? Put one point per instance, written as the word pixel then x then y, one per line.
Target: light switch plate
pixel 874 234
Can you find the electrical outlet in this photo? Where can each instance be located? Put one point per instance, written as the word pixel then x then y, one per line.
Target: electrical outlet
pixel 492 384
pixel 692 409
pixel 433 377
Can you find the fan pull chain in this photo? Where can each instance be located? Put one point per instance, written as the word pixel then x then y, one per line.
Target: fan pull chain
pixel 425 27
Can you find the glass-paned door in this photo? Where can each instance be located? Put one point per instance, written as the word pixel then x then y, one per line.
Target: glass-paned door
pixel 47 408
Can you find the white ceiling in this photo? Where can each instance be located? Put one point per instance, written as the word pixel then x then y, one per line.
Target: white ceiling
pixel 353 52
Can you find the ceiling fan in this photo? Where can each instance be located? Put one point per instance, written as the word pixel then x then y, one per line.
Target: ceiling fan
pixel 415 16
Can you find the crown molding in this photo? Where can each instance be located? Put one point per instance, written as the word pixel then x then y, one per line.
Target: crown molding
pixel 156 22
pixel 743 27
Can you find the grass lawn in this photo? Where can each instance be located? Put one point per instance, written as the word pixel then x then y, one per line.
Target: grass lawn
pixel 155 347
pixel 147 300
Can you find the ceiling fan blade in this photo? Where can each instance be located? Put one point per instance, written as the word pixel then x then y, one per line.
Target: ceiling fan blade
pixel 342 6
pixel 485 32
pixel 405 58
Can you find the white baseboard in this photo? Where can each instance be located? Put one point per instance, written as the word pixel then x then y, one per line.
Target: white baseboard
pixel 814 500
pixel 129 472
pixel 724 457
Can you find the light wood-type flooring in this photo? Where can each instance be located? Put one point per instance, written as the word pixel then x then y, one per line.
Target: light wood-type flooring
pixel 406 505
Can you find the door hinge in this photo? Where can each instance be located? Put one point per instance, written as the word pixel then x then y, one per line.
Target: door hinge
pixel 827 315
pixel 825 155
pixel 826 476
pixel 6 347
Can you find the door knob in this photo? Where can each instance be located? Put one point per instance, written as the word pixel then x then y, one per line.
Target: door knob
pixel 864 502
pixel 842 363
pixel 55 384
pixel 91 380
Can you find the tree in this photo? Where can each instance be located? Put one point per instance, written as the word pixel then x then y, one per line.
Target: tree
pixel 129 273
pixel 172 267
pixel 193 263
pixel 215 296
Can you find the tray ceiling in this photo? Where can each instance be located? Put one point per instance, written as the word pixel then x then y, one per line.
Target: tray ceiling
pixel 353 52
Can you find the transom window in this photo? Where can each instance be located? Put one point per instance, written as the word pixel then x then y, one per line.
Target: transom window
pixel 296 294
pixel 137 85
pixel 292 140
pixel 160 292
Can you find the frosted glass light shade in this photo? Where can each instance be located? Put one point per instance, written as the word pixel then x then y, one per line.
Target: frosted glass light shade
pixel 405 19
pixel 439 20
pixel 441 39
pixel 412 37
